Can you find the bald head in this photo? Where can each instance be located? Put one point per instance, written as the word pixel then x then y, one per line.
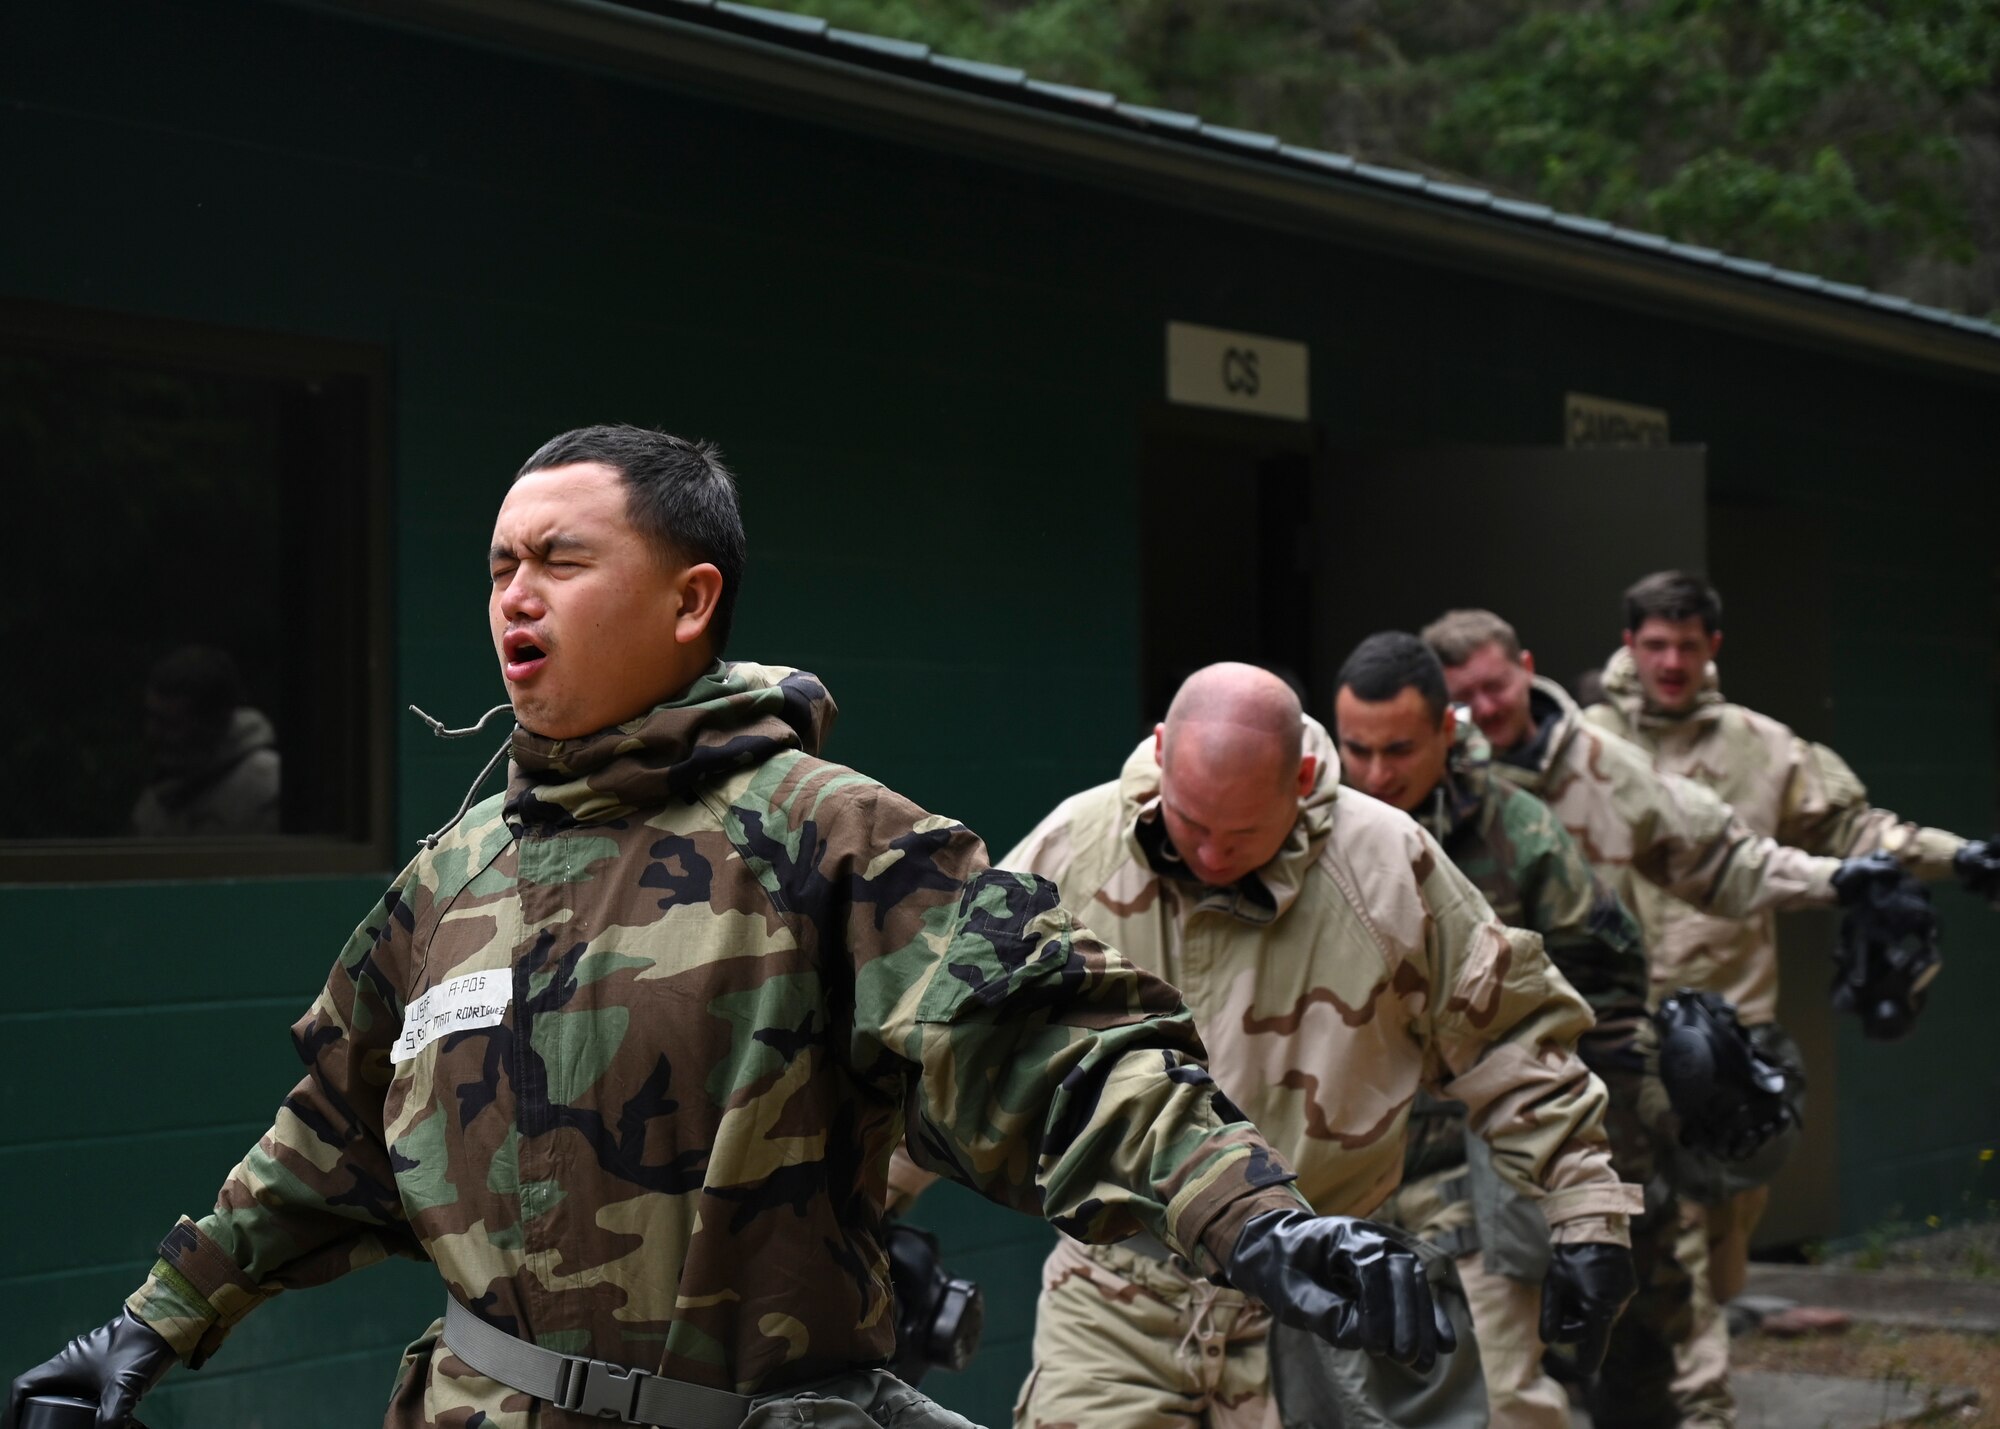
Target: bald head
pixel 1231 770
pixel 1239 714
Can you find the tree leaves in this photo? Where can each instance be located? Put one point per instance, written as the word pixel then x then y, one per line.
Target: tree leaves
pixel 1829 135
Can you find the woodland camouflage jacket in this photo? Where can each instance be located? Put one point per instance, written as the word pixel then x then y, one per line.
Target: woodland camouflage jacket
pixel 625 1055
pixel 1353 969
pixel 1525 864
pixel 1780 785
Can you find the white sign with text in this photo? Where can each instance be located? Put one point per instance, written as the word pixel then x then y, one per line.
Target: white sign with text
pixel 1237 371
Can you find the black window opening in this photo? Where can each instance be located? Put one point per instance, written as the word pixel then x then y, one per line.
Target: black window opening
pixel 198 682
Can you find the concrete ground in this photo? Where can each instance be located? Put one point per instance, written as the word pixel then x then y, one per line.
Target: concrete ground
pixel 1822 1401
pixel 1887 1297
pixel 1817 1401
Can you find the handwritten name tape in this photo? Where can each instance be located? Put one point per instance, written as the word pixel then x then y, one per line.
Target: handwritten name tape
pixel 458 1004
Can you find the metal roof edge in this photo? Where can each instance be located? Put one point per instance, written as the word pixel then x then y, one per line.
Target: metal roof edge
pixel 787 65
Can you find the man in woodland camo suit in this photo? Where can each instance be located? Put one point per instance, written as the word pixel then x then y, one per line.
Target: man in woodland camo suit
pixel 624 1052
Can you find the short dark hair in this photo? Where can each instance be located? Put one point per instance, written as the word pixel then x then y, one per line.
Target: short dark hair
pixel 1673 595
pixel 1389 662
pixel 677 493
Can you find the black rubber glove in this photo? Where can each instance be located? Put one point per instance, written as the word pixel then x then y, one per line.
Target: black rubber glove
pixel 1978 868
pixel 1353 1283
pixel 1888 946
pixel 114 1365
pixel 1861 882
pixel 1587 1285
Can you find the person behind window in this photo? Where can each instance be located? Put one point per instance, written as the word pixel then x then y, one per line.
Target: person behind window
pixel 214 759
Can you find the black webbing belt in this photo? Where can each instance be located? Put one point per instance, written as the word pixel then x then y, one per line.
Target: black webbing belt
pixel 587 1386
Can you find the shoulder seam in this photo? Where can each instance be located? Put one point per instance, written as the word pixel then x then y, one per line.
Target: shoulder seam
pixel 475 818
pixel 1350 890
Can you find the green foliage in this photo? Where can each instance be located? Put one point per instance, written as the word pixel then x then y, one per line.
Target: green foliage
pixel 1820 134
pixel 1813 133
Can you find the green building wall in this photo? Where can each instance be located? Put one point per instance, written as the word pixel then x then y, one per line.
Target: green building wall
pixel 931 373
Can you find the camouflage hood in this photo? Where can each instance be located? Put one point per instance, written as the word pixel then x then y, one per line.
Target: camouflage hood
pixel 1387 972
pixel 735 716
pixel 1556 718
pixel 1623 691
pixel 1461 796
pixel 1260 897
pixel 625 1052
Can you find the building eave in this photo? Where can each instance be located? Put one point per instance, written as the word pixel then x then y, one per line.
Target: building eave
pixel 796 66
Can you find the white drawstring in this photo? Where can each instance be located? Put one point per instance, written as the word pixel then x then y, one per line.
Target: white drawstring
pixel 1202 1326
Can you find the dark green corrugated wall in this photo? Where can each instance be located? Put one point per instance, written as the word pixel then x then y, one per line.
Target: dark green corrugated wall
pixel 931 374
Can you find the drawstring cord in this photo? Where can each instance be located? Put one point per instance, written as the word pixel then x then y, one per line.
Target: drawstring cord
pixel 438 729
pixel 430 840
pixel 1201 1325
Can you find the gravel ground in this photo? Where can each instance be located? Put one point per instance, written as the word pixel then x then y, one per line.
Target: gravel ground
pixel 1972 1250
pixel 1924 1359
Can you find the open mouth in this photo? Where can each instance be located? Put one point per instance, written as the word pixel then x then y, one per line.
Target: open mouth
pixel 521 657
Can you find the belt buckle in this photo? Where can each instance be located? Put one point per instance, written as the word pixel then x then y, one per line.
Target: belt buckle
pixel 601 1390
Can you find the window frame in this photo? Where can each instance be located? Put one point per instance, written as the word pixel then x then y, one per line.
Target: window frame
pixel 246 352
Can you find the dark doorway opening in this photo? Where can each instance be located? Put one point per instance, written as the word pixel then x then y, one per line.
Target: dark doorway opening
pixel 1226 549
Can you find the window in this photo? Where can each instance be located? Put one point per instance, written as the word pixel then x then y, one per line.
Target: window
pixel 196 679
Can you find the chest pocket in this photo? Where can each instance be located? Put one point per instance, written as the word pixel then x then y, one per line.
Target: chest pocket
pixel 464 984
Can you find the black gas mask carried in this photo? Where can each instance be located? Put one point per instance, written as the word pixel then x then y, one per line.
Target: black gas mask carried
pixel 1732 1099
pixel 1888 950
pixel 1978 868
pixel 938 1316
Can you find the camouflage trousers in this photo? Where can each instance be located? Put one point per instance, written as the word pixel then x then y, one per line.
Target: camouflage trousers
pixel 1637 1387
pixel 1715 1246
pixel 1124 1341
pixel 1701 1361
pixel 1506 1316
pixel 437 1390
pixel 1730 1226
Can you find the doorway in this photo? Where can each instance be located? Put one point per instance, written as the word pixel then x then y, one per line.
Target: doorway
pixel 1226 548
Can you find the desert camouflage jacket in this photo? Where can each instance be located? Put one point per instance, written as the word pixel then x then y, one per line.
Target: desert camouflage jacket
pixel 626 1053
pixel 1355 968
pixel 1639 826
pixel 1524 863
pixel 1797 792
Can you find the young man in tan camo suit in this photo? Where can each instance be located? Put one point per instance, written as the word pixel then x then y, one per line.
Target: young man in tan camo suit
pixel 1641 829
pixel 1662 693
